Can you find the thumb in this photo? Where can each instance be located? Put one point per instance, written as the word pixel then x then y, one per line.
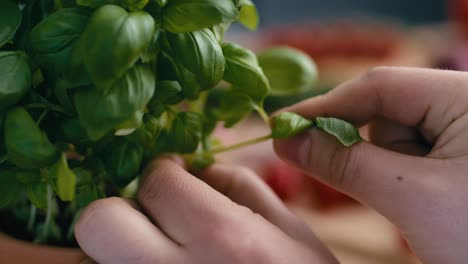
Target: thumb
pixel 377 177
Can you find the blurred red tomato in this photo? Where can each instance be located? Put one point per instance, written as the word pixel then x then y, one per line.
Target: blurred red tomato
pixel 459 11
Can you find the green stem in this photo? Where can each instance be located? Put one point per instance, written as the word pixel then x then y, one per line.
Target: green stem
pixel 3 158
pixel 72 226
pixel 263 115
pixel 32 217
pixel 48 219
pixel 239 145
pixel 42 116
pixel 51 107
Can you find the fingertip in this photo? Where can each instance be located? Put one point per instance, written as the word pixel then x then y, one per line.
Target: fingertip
pixel 294 150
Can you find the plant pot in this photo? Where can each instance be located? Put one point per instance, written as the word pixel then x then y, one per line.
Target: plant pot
pixel 21 252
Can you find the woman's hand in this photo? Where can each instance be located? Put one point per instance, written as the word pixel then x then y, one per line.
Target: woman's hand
pixel 227 215
pixel 415 171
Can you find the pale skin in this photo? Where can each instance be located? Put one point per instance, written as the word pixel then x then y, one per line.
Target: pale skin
pixel 414 171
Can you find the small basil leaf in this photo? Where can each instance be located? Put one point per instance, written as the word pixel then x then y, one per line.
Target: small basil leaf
pixel 10 188
pixel 15 78
pixel 10 22
pixel 54 38
pixel 123 160
pixel 288 70
pixel 65 179
pixel 200 53
pixel 190 86
pixel 146 134
pixel 288 124
pixel 248 14
pixel 243 72
pixel 201 162
pixel 181 16
pixel 118 104
pixel 113 41
pixel 345 132
pixel 38 194
pixel 234 107
pixel 27 146
pixel 186 132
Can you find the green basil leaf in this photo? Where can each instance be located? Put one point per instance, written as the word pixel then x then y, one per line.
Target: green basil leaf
pixel 181 16
pixel 130 125
pixel 113 41
pixel 10 188
pixel 152 51
pixel 132 5
pixel 345 132
pixel 290 71
pixel 54 38
pixel 72 131
pixel 15 78
pixel 85 195
pixel 248 14
pixel 168 92
pixel 200 53
pixel 288 124
pixel 118 104
pixel 65 179
pixel 190 86
pixel 243 72
pixel 27 146
pixel 146 134
pixel 28 176
pixel 186 132
pixel 123 160
pixel 38 194
pixel 161 2
pixel 83 177
pixel 10 22
pixel 234 107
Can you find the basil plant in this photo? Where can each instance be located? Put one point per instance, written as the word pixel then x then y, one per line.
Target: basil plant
pixel 92 90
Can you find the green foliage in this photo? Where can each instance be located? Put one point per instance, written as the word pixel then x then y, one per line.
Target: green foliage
pixel 92 90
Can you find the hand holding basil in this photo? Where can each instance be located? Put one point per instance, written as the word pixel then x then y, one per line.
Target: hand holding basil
pixel 92 90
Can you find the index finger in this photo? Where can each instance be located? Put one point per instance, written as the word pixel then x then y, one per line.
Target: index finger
pixel 430 99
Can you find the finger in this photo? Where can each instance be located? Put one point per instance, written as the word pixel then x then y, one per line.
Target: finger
pixel 180 203
pixel 199 217
pixel 395 137
pixel 244 187
pixel 112 230
pixel 408 96
pixel 377 177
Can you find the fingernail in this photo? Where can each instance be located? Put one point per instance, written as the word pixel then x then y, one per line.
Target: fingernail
pixel 294 150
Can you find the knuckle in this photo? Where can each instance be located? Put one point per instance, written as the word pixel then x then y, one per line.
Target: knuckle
pixel 241 245
pixel 152 187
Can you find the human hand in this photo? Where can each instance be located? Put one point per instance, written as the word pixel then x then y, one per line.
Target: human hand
pixel 227 215
pixel 415 170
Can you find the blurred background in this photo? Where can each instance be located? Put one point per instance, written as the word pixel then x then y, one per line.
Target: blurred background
pixel 274 12
pixel 345 39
